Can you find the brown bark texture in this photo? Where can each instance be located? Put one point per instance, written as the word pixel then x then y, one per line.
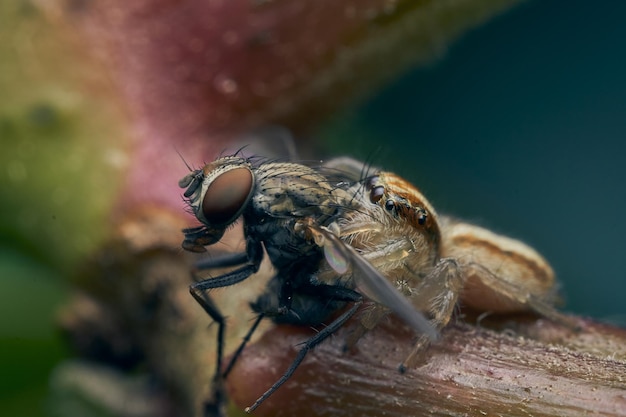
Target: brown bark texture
pixel 535 368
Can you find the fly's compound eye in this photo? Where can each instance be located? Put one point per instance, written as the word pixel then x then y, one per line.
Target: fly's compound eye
pixel 227 196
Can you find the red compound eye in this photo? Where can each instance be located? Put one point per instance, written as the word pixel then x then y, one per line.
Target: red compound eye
pixel 227 196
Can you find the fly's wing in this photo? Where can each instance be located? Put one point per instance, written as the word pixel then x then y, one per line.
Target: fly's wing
pixel 348 168
pixel 339 255
pixel 270 142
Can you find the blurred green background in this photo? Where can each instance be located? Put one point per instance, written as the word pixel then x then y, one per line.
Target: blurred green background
pixel 57 169
pixel 520 127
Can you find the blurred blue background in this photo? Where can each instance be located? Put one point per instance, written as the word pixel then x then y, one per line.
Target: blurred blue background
pixel 520 127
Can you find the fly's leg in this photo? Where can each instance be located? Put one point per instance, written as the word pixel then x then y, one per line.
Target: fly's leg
pixel 242 345
pixel 325 292
pixel 254 256
pixel 197 290
pixel 213 406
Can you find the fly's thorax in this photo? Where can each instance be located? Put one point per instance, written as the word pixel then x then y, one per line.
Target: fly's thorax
pixel 288 189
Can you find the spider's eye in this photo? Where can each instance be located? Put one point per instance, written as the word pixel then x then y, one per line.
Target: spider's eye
pixel 227 196
pixel 423 215
pixel 389 205
pixel 376 194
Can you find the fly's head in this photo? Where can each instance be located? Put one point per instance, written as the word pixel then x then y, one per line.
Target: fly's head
pixel 217 195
